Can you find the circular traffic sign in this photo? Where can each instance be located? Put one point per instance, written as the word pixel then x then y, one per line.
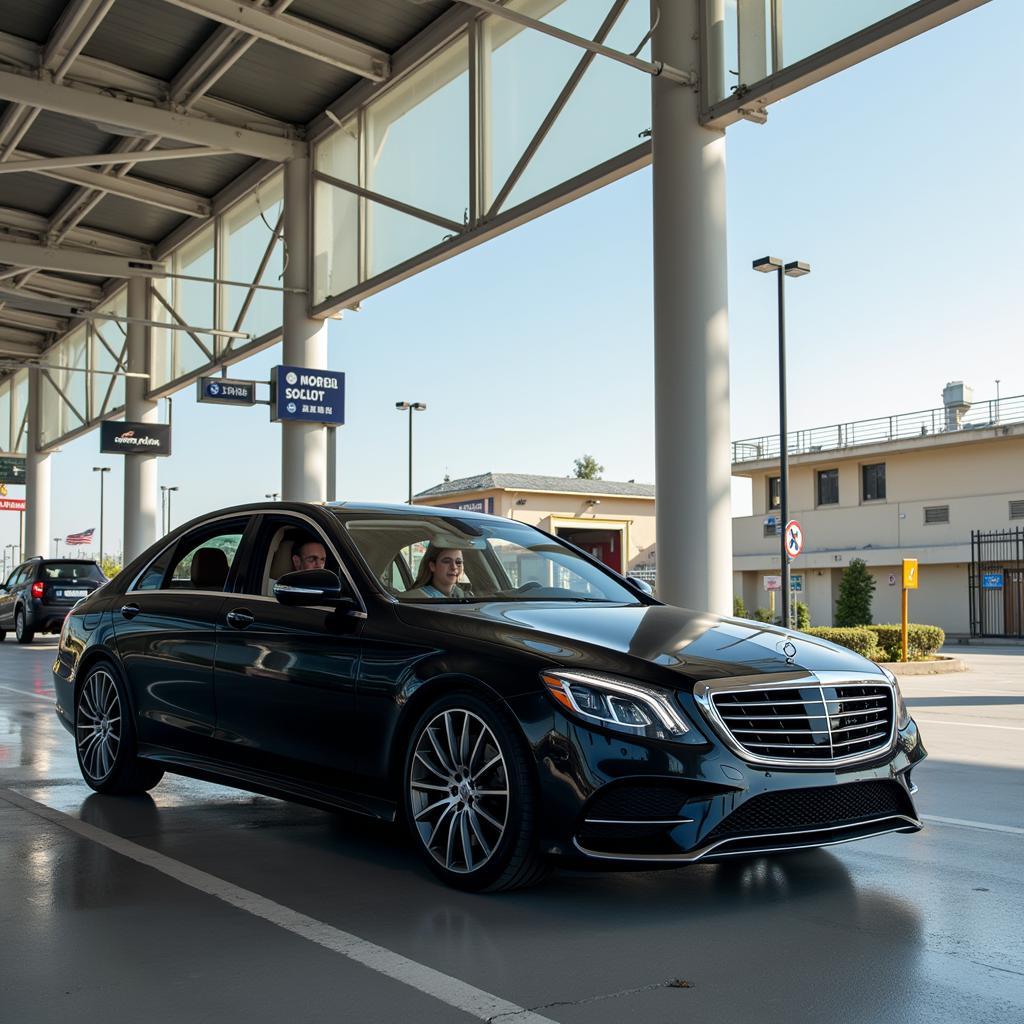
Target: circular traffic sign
pixel 794 538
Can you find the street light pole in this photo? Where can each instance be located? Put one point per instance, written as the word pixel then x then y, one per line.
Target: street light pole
pixel 796 268
pixel 169 491
pixel 412 407
pixel 56 547
pixel 102 470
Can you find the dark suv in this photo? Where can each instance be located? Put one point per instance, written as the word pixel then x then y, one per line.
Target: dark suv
pixel 38 595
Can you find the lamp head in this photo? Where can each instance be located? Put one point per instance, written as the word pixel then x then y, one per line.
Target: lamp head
pixel 767 264
pixel 797 268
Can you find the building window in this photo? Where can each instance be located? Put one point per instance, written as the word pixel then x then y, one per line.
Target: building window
pixel 936 514
pixel 828 486
pixel 1017 508
pixel 774 492
pixel 873 481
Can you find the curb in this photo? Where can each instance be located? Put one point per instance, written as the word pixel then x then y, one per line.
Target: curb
pixel 944 665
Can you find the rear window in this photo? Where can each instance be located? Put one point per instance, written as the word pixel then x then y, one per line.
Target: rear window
pixel 71 572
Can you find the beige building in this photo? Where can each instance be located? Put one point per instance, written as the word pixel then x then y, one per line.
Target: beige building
pixel 913 485
pixel 613 521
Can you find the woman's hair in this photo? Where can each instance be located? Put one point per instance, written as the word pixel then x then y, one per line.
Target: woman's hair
pixel 425 575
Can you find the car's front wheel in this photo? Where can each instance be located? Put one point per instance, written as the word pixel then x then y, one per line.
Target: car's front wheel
pixel 470 798
pixel 105 736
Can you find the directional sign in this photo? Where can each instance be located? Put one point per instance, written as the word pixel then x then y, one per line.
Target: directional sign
pixel 910 574
pixel 223 391
pixel 12 504
pixel 992 581
pixel 794 538
pixel 796 582
pixel 12 469
pixel 301 393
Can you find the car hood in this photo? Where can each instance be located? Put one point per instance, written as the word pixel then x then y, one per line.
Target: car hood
pixel 697 645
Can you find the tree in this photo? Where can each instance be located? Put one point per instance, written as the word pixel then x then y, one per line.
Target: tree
pixel 856 588
pixel 110 566
pixel 588 468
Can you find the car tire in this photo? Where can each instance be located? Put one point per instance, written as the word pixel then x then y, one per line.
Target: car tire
pixel 470 797
pixel 105 739
pixel 22 632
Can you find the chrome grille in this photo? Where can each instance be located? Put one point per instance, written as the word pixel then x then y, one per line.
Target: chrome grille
pixel 806 723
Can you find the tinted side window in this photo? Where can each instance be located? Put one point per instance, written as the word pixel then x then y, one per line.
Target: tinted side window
pixel 201 560
pixel 281 541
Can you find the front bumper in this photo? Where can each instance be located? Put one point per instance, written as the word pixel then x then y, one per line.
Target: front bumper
pixel 608 797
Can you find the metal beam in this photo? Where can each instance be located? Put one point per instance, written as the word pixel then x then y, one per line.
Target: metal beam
pixel 26 162
pixel 100 241
pixel 48 284
pixel 17 347
pixel 33 321
pixel 72 261
pixel 298 34
pixel 106 110
pixel 136 189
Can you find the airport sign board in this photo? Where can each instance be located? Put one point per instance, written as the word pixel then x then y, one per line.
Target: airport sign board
pixel 12 469
pixel 308 395
pixel 224 391
pixel 120 437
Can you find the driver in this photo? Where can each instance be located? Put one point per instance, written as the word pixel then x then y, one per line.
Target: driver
pixel 439 574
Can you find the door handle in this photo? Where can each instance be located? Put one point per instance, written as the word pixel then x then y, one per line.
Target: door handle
pixel 129 611
pixel 240 618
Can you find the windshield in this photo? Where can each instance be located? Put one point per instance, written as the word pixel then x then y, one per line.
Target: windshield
pixel 71 571
pixel 435 557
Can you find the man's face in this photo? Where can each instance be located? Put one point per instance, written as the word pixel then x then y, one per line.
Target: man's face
pixel 310 556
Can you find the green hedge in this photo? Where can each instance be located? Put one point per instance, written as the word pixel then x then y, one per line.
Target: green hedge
pixel 922 641
pixel 857 638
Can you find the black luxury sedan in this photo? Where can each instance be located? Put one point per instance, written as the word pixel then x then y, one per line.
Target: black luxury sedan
pixel 516 702
pixel 40 592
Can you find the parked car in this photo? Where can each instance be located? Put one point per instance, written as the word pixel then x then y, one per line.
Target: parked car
pixel 40 592
pixel 545 710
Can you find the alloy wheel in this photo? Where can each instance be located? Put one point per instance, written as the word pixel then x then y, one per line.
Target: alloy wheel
pixel 98 726
pixel 459 790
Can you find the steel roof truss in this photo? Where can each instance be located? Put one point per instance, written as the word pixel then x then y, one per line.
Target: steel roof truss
pixel 98 108
pixel 298 34
pixel 74 261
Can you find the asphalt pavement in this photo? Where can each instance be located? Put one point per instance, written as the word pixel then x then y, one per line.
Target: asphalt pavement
pixel 202 903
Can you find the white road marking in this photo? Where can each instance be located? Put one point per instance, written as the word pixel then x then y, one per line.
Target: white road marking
pixel 971 725
pixel 443 987
pixel 983 825
pixel 28 693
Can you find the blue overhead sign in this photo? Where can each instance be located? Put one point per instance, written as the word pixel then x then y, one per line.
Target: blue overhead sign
pixel 313 396
pixel 992 581
pixel 223 391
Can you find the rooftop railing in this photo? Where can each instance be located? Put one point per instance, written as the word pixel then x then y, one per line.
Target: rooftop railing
pixel 905 425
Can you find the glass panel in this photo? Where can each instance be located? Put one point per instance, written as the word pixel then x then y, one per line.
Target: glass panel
pixel 248 231
pixel 108 341
pixel 605 114
pixel 335 240
pixel 394 237
pixel 20 395
pixel 417 143
pixel 193 301
pixel 810 25
pixel 61 387
pixel 5 416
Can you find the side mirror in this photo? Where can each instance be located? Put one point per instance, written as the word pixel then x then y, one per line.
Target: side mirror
pixel 309 587
pixel 642 585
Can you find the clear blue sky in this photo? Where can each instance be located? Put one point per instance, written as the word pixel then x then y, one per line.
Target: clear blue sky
pixel 898 180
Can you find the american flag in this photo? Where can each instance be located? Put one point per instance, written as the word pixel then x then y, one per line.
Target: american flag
pixel 80 538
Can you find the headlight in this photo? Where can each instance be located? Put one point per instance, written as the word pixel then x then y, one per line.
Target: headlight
pixel 902 713
pixel 620 703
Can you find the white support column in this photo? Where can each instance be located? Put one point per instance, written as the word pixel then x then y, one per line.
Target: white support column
pixel 37 476
pixel 140 471
pixel 691 342
pixel 303 445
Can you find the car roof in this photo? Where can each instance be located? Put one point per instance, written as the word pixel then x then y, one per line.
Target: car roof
pixel 339 506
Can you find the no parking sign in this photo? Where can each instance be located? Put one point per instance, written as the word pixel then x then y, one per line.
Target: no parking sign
pixel 794 538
